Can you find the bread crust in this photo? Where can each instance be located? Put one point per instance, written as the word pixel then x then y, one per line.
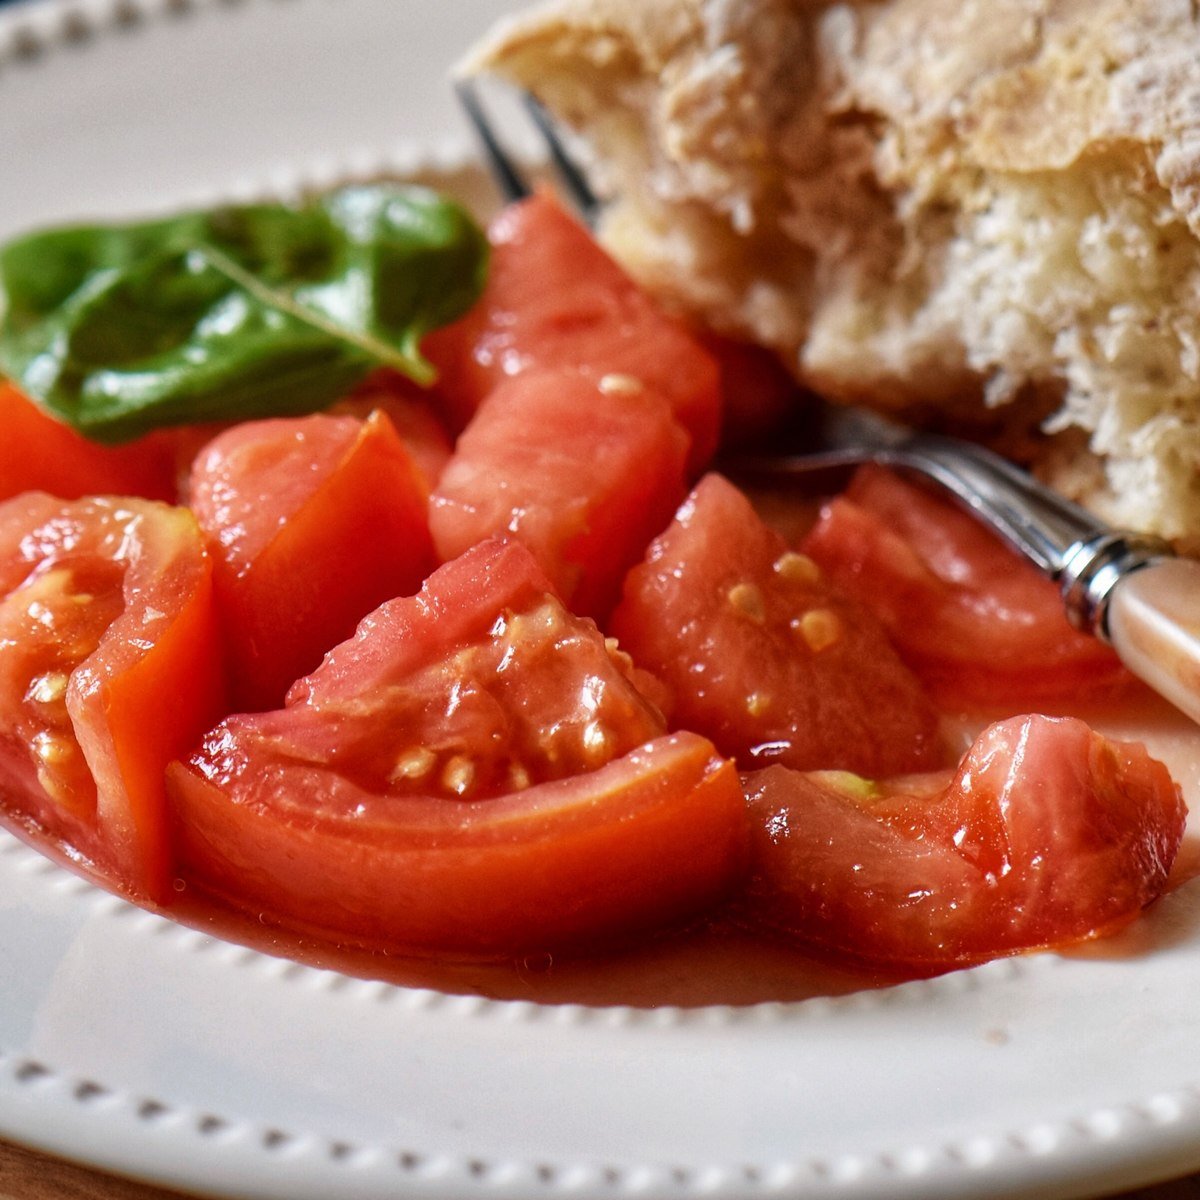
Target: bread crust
pixel 981 209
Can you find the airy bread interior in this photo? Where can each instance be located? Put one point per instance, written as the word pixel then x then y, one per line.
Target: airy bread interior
pixel 986 214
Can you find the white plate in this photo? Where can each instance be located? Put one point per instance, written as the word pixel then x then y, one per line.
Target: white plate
pixel 132 1043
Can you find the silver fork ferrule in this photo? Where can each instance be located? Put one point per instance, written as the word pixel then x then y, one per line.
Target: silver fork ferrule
pixel 1092 567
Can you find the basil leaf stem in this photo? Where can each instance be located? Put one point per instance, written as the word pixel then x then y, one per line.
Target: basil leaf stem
pixel 234 313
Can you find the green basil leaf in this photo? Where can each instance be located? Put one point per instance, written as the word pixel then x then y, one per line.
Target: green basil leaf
pixel 240 312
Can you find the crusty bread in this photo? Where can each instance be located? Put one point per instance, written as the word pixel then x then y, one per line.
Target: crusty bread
pixel 987 209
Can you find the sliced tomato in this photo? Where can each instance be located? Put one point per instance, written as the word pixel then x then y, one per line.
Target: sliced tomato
pixel 584 473
pixel 313 522
pixel 972 617
pixel 555 299
pixel 109 669
pixel 414 412
pixel 761 656
pixel 1047 833
pixel 38 453
pixel 471 773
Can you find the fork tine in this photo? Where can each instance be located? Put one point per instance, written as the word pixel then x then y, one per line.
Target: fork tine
pixel 569 171
pixel 508 176
pixel 511 178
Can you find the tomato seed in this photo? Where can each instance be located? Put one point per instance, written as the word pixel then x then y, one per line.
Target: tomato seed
pixel 48 688
pixel 748 600
pixel 52 750
pixel 820 628
pixel 415 764
pixel 458 775
pixel 621 385
pixel 797 568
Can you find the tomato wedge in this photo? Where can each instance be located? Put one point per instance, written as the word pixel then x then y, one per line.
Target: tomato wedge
pixel 109 669
pixel 1047 833
pixel 38 453
pixel 472 773
pixel 974 619
pixel 555 299
pixel 761 656
pixel 414 411
pixel 313 522
pixel 582 473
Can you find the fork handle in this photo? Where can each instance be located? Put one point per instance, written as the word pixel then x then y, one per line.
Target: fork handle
pixel 1131 591
pixel 1152 621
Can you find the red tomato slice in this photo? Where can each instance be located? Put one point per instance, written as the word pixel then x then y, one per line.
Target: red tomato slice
pixel 582 472
pixel 471 773
pixel 972 617
pixel 555 299
pixel 313 522
pixel 38 453
pixel 1046 834
pixel 761 656
pixel 109 669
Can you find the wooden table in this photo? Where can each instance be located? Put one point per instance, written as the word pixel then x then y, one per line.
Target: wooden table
pixel 27 1175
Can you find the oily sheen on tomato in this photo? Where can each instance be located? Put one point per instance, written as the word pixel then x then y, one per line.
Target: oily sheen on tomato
pixel 556 299
pixel 313 522
pixel 760 655
pixel 583 471
pixel 471 774
pixel 109 669
pixel 1045 834
pixel 975 620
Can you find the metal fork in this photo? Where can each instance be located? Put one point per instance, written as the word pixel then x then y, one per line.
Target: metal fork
pixel 1129 589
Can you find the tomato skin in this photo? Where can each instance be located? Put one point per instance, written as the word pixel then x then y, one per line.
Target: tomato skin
pixel 568 864
pixel 582 475
pixel 1047 833
pixel 281 501
pixel 970 616
pixel 38 453
pixel 761 656
pixel 119 674
pixel 555 299
pixel 315 815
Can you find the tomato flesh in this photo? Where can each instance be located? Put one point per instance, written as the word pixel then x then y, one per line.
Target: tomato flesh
pixel 761 656
pixel 973 618
pixel 555 299
pixel 584 476
pixel 109 668
pixel 313 522
pixel 38 453
pixel 476 770
pixel 414 412
pixel 472 773
pixel 1046 833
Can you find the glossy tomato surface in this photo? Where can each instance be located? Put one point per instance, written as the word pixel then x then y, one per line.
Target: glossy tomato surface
pixel 555 299
pixel 974 619
pixel 1045 834
pixel 760 655
pixel 472 773
pixel 312 522
pixel 583 473
pixel 109 669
